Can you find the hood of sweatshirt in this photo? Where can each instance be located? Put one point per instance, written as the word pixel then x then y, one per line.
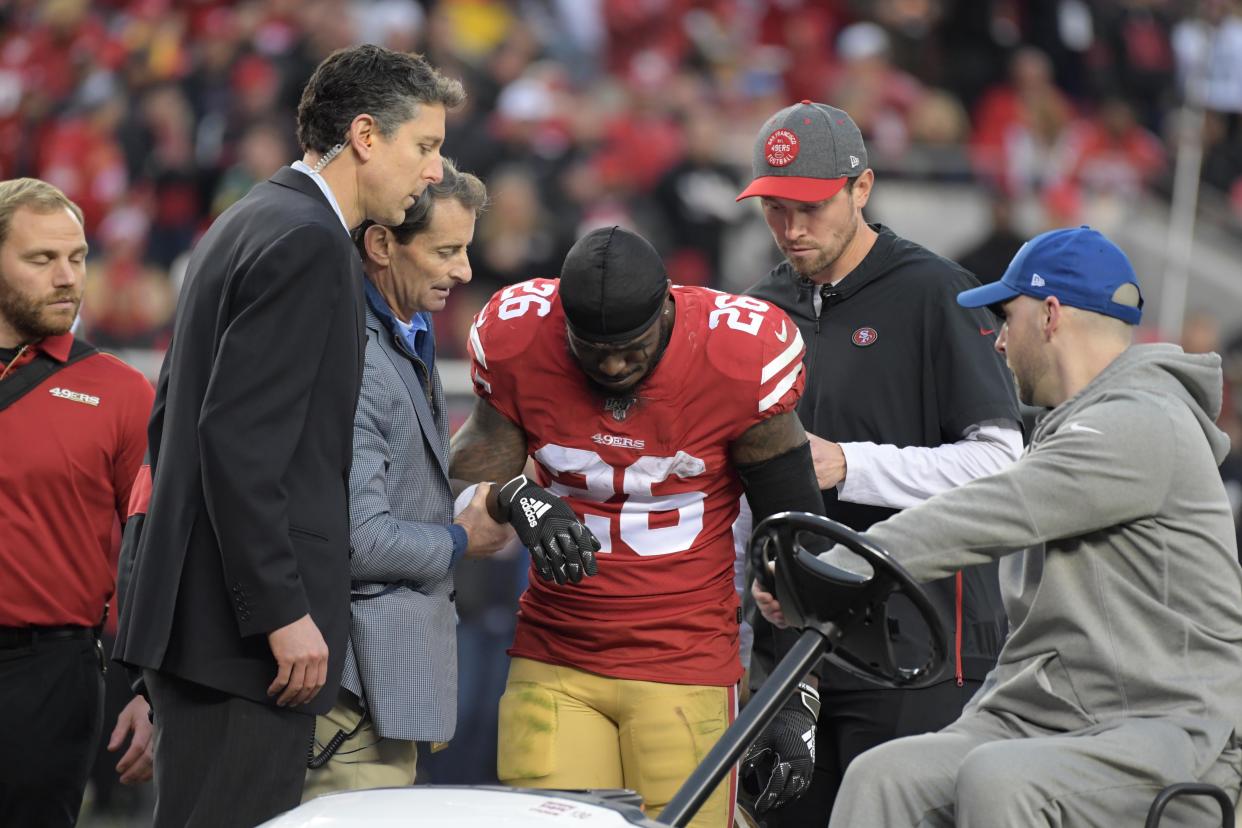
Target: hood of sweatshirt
pixel 1162 369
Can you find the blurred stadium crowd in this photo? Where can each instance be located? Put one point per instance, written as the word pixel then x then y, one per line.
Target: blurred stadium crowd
pixel 156 115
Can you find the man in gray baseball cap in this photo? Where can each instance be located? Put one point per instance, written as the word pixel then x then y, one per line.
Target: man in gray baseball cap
pixel 806 152
pixel 904 399
pixel 810 169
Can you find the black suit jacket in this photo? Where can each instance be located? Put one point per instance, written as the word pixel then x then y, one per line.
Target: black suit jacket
pixel 250 443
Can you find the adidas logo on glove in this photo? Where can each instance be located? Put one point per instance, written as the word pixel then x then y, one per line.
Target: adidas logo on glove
pixel 534 509
pixel 809 739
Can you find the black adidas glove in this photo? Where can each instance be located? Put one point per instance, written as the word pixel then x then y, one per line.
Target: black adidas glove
pixel 777 768
pixel 562 548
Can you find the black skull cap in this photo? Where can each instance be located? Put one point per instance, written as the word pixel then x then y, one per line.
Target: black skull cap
pixel 613 285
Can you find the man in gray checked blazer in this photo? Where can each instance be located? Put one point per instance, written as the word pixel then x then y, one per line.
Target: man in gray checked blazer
pixel 400 679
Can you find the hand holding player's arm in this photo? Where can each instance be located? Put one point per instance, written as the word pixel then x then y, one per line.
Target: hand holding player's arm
pixel 485 535
pixel 773 458
pixel 768 439
pixel 488 446
pixel 491 447
pixel 829 457
pixel 774 461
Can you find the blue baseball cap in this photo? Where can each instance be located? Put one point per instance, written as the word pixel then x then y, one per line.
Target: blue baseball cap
pixel 1077 265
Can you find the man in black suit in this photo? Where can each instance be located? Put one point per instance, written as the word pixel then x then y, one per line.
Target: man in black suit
pixel 236 604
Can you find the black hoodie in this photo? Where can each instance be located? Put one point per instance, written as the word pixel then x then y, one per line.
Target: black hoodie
pixel 891 358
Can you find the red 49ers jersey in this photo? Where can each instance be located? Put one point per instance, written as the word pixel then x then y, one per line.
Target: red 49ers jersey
pixel 652 478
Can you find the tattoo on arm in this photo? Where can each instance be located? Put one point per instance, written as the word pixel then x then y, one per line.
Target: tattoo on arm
pixel 770 438
pixel 487 447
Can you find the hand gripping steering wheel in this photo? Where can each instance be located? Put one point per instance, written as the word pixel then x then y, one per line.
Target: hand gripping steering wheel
pixel 847 606
pixel 840 611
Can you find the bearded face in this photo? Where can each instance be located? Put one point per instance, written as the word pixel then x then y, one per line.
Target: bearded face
pixel 42 271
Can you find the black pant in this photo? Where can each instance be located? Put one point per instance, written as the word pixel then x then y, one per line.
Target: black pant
pixel 51 718
pixel 222 761
pixel 854 721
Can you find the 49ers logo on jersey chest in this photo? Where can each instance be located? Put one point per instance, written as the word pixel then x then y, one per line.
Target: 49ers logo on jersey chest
pixel 618 441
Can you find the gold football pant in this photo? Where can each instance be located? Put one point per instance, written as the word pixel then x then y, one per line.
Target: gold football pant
pixel 566 728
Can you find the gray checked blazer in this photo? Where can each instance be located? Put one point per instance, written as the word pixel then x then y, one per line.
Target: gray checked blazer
pixel 402 654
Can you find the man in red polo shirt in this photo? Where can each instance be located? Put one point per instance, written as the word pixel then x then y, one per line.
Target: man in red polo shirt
pixel 72 436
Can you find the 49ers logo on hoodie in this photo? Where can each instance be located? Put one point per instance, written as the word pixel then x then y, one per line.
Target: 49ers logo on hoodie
pixel 864 337
pixel 781 148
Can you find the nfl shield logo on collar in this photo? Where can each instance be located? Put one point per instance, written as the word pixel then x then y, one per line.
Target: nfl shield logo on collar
pixel 619 406
pixel 864 337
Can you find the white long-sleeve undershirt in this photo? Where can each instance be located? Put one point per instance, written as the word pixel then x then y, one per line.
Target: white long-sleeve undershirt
pixel 898 478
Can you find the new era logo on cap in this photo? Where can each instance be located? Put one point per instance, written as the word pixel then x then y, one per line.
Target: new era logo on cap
pixel 1037 280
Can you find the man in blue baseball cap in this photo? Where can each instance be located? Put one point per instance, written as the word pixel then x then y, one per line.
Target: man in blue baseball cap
pixel 1073 273
pixel 1118 567
pixel 1077 265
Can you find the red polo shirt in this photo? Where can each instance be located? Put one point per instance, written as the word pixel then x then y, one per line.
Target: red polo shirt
pixel 69 451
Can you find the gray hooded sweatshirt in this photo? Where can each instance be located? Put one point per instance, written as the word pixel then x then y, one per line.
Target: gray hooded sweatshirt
pixel 1125 599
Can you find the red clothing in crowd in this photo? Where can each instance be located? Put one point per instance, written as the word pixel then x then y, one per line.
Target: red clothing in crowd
pixel 1124 163
pixel 69 451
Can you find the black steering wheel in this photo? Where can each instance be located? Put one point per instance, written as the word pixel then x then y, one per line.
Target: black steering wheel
pixel 848 606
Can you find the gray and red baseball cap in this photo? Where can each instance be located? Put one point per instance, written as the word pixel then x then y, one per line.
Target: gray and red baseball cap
pixel 806 152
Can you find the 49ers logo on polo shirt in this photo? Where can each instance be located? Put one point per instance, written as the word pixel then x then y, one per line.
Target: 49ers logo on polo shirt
pixel 76 396
pixel 781 148
pixel 864 337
